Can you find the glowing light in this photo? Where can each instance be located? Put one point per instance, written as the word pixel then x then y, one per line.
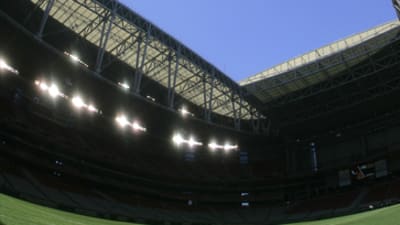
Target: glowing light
pixel 185 112
pixel 124 85
pixel 226 147
pixel 123 121
pixel 91 108
pixel 137 126
pixel 193 142
pixel 54 91
pixel 78 102
pixel 178 140
pixel 213 146
pixel 151 98
pixel 75 58
pixel 5 66
pixel 43 86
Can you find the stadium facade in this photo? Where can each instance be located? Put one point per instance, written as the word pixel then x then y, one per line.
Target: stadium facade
pixel 105 114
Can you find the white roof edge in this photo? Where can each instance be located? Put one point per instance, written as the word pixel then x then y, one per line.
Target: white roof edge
pixel 322 52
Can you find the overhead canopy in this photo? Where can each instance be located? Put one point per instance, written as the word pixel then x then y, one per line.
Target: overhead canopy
pixel 154 53
pixel 320 64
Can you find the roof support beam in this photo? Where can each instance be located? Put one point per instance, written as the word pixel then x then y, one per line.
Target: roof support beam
pixel 38 5
pixel 205 95
pixel 105 35
pixel 209 107
pixel 171 87
pixel 237 113
pixel 121 49
pixel 45 17
pixel 93 25
pixel 139 69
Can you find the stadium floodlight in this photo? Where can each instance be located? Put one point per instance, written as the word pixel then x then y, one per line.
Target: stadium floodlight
pixel 151 98
pixel 78 102
pixel 75 58
pixel 185 112
pixel 191 142
pixel 91 108
pixel 123 121
pixel 137 127
pixel 226 147
pixel 213 146
pixel 54 91
pixel 5 66
pixel 124 85
pixel 178 139
pixel 43 86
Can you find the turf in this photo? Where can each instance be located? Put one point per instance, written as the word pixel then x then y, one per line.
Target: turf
pixel 384 216
pixel 16 212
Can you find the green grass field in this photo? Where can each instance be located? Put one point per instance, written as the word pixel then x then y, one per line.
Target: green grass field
pixel 16 212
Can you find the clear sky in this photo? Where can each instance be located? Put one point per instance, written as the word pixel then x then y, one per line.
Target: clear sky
pixel 245 37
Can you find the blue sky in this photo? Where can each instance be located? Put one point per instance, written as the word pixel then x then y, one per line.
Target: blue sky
pixel 244 37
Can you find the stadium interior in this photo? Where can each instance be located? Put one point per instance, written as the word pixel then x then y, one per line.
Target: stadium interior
pixel 104 114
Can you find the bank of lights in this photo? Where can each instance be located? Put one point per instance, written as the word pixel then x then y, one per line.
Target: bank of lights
pixel 52 89
pixel 184 112
pixel 191 142
pixel 124 122
pixel 226 147
pixel 124 85
pixel 5 66
pixel 78 102
pixel 76 59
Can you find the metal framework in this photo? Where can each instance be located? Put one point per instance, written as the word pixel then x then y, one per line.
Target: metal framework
pixel 128 37
pixel 321 64
pixel 389 62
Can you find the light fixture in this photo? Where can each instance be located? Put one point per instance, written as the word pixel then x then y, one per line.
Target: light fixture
pixel 43 86
pixel 75 58
pixel 226 147
pixel 51 89
pixel 54 91
pixel 191 142
pixel 123 121
pixel 177 139
pixel 137 127
pixel 151 98
pixel 5 66
pixel 91 108
pixel 184 112
pixel 124 85
pixel 213 146
pixel 78 102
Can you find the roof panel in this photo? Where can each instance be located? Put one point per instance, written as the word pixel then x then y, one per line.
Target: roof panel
pixel 323 52
pixel 85 18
